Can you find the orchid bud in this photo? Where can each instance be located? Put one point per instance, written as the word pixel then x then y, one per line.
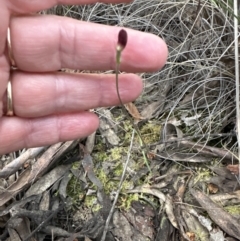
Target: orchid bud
pixel 122 39
pixel 121 44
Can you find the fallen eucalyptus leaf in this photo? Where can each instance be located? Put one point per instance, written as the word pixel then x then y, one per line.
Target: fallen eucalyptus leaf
pixel 133 111
pixel 47 180
pixel 224 220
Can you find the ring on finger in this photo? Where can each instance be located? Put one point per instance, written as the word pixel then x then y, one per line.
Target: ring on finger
pixel 10 111
pixel 10 53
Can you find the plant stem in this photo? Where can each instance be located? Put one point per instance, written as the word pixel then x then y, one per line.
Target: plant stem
pixel 134 126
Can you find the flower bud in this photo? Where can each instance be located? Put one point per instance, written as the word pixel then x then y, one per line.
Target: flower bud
pixel 122 39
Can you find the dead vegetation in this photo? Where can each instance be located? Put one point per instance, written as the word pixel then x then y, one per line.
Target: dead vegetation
pixel 187 118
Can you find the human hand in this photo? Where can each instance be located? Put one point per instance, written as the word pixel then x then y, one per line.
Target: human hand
pixel 51 106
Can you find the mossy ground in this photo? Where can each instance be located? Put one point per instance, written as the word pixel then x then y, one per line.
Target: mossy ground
pixel 116 156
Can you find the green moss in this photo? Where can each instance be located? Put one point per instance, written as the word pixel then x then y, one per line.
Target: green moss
pixel 127 125
pixel 99 153
pixel 150 132
pixel 92 203
pixel 114 154
pixel 100 156
pixel 106 180
pixel 127 185
pixel 127 134
pixel 76 165
pixel 203 174
pixel 103 177
pixel 118 170
pixel 74 190
pixel 126 200
pixel 77 194
pixel 200 235
pixel 234 209
pixel 117 153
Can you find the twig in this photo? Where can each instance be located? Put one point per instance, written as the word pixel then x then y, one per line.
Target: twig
pixel 119 189
pixel 13 166
pixel 237 76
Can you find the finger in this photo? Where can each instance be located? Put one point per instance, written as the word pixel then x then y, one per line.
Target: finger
pixel 17 133
pixel 36 95
pixel 4 62
pixel 49 43
pixel 26 6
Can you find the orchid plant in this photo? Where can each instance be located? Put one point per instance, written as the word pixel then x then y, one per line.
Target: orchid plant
pixel 121 44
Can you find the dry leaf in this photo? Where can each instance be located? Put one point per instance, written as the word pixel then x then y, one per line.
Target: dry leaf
pixel 152 108
pixel 191 236
pixel 212 188
pixel 189 121
pixel 224 220
pixel 133 111
pixel 86 239
pixel 233 169
pixel 47 180
pixel 151 155
pixel 106 127
pixel 170 212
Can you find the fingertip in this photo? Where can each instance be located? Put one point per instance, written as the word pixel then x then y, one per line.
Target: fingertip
pixel 144 51
pixel 160 50
pixel 135 86
pixel 79 125
pixel 18 133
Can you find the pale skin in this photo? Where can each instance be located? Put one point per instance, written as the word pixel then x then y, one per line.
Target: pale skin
pixel 51 106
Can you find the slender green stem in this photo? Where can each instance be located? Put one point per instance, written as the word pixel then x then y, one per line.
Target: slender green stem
pixel 135 127
pixel 117 86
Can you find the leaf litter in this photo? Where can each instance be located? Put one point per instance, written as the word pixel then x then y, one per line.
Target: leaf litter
pixel 192 191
